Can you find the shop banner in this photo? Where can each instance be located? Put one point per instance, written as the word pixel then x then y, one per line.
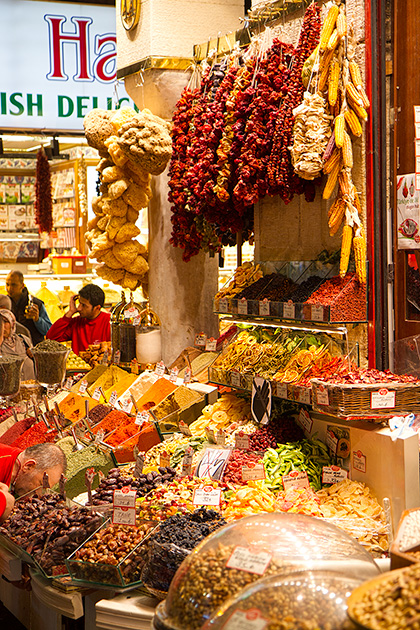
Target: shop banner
pixel 58 61
pixel 408 212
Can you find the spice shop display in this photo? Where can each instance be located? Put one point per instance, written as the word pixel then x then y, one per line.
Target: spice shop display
pixel 298 600
pixel 50 362
pixel 133 146
pixel 172 542
pixel 114 555
pixel 48 530
pixel 142 484
pixel 250 550
pixel 95 354
pixel 148 338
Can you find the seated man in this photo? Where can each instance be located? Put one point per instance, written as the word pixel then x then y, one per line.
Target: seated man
pixel 29 310
pixel 91 325
pixel 22 471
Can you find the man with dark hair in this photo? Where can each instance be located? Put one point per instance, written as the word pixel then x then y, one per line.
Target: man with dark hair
pixel 22 472
pixel 29 310
pixel 91 325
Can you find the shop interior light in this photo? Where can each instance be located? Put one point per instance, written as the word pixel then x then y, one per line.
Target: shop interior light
pixel 342 330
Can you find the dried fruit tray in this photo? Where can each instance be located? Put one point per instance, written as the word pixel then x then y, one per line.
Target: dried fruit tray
pixel 375 402
pixel 126 573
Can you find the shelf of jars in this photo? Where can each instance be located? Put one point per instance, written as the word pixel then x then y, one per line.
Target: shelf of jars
pixel 297 291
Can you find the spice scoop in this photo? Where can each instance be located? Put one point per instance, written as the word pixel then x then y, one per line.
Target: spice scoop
pixel 77 446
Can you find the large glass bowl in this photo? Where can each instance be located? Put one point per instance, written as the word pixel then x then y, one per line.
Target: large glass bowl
pixel 251 549
pixel 301 600
pixel 10 369
pixel 50 365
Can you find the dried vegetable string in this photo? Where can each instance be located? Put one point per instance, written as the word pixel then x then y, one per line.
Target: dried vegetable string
pixel 43 194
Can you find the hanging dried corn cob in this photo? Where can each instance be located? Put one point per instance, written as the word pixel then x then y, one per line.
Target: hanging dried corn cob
pixel 346 241
pixel 359 247
pixel 328 27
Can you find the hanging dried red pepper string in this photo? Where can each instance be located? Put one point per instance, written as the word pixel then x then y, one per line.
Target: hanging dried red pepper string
pixel 43 195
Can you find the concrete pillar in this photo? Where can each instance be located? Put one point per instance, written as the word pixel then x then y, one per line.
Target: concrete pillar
pixel 180 293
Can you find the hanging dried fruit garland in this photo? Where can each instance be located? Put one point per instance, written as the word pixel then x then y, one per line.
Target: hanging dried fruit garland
pixel 282 179
pixel 43 194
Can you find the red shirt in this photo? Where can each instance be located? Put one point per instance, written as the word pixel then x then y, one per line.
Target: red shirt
pixel 81 331
pixel 8 456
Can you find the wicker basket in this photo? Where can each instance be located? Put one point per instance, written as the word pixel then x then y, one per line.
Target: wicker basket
pixel 375 402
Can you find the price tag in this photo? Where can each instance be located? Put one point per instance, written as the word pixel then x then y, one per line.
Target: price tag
pixel 322 397
pixel 136 321
pixel 331 441
pixel 359 461
pixel 124 516
pixel 130 313
pixel 160 368
pixel 333 474
pixel 241 440
pixel 164 459
pixel 305 421
pixel 97 393
pixel 242 307
pixel 223 305
pixel 125 497
pixel 173 374
pixel 296 479
pixel 117 357
pixel 213 463
pixel 252 472
pixel 186 468
pixel 264 307
pixel 281 390
pixel 127 404
pixel 113 398
pixel 220 437
pixel 210 435
pixel 382 399
pixel 251 619
pixel 184 428
pixel 249 559
pixel 289 310
pixel 69 383
pixel 235 378
pixel 304 395
pixel 187 375
pixel 211 344
pixel 200 340
pixel 317 312
pixel 83 386
pixel 105 358
pixel 207 495
pixel 261 400
pixel 134 366
pixel 138 468
pixel 141 417
pixel 99 437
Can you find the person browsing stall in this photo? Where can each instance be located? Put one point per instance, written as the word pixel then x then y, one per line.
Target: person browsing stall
pixel 6 302
pixel 85 323
pixel 29 310
pixel 22 472
pixel 16 345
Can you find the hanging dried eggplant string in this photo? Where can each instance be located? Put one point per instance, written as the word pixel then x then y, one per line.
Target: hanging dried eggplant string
pixel 43 195
pixel 82 186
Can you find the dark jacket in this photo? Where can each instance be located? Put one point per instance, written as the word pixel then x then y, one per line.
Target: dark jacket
pixel 37 329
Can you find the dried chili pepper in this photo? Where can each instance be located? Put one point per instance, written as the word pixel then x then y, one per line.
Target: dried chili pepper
pixel 43 194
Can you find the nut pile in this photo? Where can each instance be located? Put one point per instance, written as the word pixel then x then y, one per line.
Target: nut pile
pixel 207 583
pixel 144 484
pixel 112 546
pixel 172 543
pixel 49 530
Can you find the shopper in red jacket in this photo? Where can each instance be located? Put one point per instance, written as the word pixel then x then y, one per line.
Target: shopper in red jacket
pixel 23 471
pixel 91 325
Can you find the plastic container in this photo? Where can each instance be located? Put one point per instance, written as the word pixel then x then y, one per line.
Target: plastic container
pixel 62 265
pixel 299 600
pixel 249 550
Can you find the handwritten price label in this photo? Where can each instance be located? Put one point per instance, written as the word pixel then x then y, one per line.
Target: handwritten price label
pixel 249 560
pixel 242 307
pixel 211 344
pixel 333 474
pixel 317 313
pixel 281 390
pixel 160 368
pixel 173 375
pixel 207 495
pixel 322 397
pixel 264 308
pixel 289 310
pixel 125 497
pixel 83 386
pixel 124 516
pixel 187 375
pixel 250 619
pixel 96 394
pixel 200 340
pixel 113 398
pixel 296 479
pixel 253 472
pixel 241 440
pixel 382 399
pixel 223 305
pixel 141 418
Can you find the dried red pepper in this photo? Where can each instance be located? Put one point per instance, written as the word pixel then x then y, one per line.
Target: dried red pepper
pixel 43 194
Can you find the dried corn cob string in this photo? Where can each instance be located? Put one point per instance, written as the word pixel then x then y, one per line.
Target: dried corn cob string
pixel 346 241
pixel 359 247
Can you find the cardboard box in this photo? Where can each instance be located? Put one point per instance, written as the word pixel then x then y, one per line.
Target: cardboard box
pixel 62 264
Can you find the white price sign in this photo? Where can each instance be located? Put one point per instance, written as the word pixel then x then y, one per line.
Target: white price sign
pixel 281 390
pixel 200 340
pixel 317 313
pixel 127 404
pixel 69 383
pixel 252 472
pixel 296 479
pixel 141 418
pixel 322 397
pixel 241 440
pixel 223 305
pixel 160 368
pixel 333 474
pixel 173 374
pixel 207 495
pixel 96 394
pixel 211 344
pixel 187 375
pixel 305 421
pixel 184 428
pixel 83 386
pixel 251 619
pixel 210 435
pixel 124 516
pixel 220 437
pixel 125 497
pixel 359 461
pixel 235 379
pixel 249 559
pixel 289 310
pixel 113 398
pixel 242 307
pixel 382 399
pixel 264 307
pixel 304 395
